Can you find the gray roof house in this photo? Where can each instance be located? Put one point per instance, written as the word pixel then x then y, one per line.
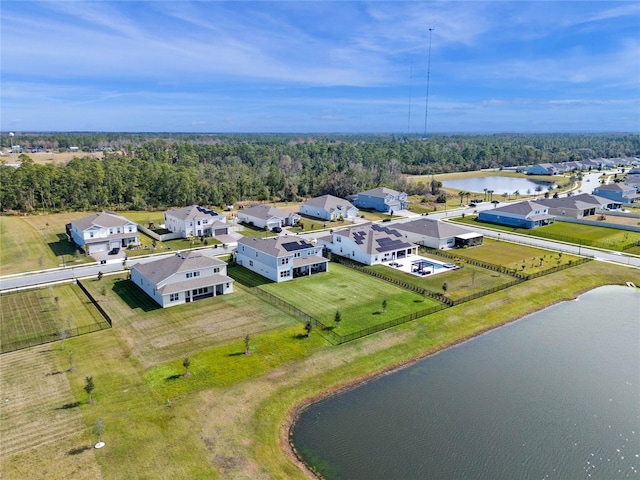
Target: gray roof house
pixel 618 192
pixel 182 278
pixel 195 221
pixel 328 207
pixel 437 234
pixel 525 214
pixel 263 216
pixel 382 199
pixel 281 258
pixel 102 232
pixel 368 243
pixel 576 206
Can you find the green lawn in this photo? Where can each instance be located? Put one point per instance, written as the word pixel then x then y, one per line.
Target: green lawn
pixel 460 283
pixel 252 231
pixel 158 335
pixel 515 256
pixel 306 224
pixel 356 295
pixel 33 314
pixel 601 237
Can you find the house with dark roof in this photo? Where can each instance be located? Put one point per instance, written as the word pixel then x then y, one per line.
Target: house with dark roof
pixel 618 192
pixel 577 206
pixel 182 278
pixel 103 232
pixel 438 234
pixel 525 214
pixel 262 216
pixel 328 207
pixel 195 221
pixel 382 199
pixel 369 243
pixel 281 258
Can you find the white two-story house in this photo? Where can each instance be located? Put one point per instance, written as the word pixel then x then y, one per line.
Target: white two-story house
pixel 195 221
pixel 328 207
pixel 103 232
pixel 182 278
pixel 262 216
pixel 369 243
pixel 382 199
pixel 280 258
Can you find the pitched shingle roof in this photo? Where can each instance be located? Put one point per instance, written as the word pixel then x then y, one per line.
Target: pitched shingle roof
pixel 520 208
pixel 431 228
pixel 159 270
pixel 102 219
pixel 191 212
pixel 329 203
pixel 379 192
pixel 373 238
pixel 265 212
pixel 284 245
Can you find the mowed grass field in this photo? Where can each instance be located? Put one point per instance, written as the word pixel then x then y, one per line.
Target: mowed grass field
pixel 356 295
pixel 35 313
pixel 157 335
pixel 460 283
pixel 37 242
pixel 523 258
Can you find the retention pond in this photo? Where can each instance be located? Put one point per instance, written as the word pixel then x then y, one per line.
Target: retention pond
pixel 555 395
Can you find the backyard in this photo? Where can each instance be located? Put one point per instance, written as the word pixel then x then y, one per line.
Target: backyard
pixel 31 316
pixel 357 296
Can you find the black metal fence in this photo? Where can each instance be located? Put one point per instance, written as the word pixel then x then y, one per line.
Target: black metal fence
pixel 65 333
pixel 52 337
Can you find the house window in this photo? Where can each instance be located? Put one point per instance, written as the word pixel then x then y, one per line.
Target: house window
pixel 338 239
pixel 284 273
pixel 189 275
pixel 119 230
pixel 243 248
pixel 130 229
pixel 196 274
pixel 251 263
pixel 284 261
pixel 174 297
pixel 111 231
pixel 216 270
pixel 256 254
pixel 90 234
pixel 297 254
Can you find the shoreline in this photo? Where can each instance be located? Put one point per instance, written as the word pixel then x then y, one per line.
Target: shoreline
pixel 294 412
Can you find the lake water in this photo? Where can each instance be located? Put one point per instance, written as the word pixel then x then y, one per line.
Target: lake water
pixel 499 185
pixel 555 395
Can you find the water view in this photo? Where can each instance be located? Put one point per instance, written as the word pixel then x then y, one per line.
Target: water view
pixel 499 185
pixel 555 395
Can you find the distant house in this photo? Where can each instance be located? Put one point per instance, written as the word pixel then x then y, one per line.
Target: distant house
pixel 382 199
pixel 103 232
pixel 328 207
pixel 437 234
pixel 280 258
pixel 262 216
pixel 618 192
pixel 182 278
pixel 576 206
pixel 525 214
pixel 544 169
pixel 369 243
pixel 195 221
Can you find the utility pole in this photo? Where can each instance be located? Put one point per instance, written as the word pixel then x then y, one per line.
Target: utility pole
pixel 426 108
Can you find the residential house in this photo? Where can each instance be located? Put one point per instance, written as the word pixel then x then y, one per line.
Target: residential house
pixel 618 192
pixel 437 234
pixel 328 207
pixel 382 199
pixel 545 169
pixel 182 278
pixel 103 232
pixel 576 206
pixel 525 214
pixel 262 216
pixel 369 243
pixel 195 221
pixel 280 258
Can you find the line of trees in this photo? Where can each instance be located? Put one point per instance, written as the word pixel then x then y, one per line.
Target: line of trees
pixel 158 171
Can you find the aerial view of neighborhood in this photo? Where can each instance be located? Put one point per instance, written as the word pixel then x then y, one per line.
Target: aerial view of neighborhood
pixel 250 246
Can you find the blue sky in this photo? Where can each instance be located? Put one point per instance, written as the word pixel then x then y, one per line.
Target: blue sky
pixel 303 66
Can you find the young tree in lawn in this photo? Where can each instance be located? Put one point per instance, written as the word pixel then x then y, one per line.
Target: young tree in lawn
pixel 186 363
pixel 445 287
pixel 100 274
pixel 98 428
pixel 247 345
pixel 70 359
pixel 384 305
pixel 307 328
pixel 338 317
pixel 57 300
pixel 89 387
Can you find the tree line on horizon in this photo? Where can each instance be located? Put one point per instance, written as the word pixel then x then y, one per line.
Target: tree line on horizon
pixel 162 170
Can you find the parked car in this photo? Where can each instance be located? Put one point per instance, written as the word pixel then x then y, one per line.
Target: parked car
pixel 114 251
pixel 276 229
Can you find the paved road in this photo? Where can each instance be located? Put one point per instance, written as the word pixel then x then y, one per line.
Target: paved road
pixel 12 282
